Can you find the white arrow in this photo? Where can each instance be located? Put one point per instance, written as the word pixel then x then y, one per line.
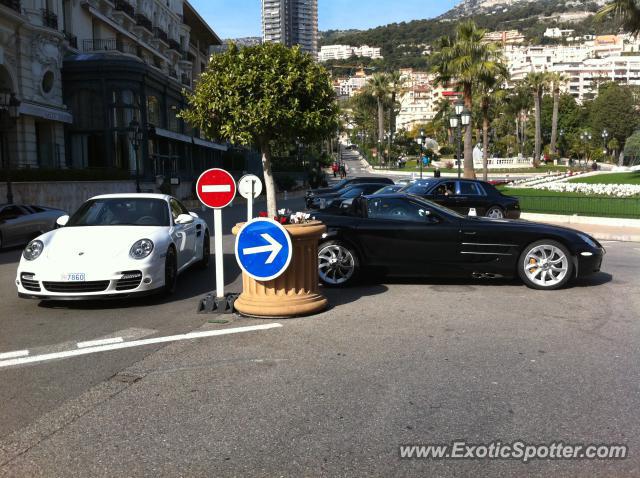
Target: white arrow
pixel 274 248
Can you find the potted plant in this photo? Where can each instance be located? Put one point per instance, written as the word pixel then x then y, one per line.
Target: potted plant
pixel 267 95
pixel 295 292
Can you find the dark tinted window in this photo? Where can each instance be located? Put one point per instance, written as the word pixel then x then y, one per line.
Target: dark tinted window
pixel 37 209
pixel 419 188
pixel 121 212
pixel 11 212
pixel 398 209
pixel 445 188
pixel 469 189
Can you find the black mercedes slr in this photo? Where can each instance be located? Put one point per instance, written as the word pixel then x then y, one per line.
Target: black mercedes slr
pixel 405 235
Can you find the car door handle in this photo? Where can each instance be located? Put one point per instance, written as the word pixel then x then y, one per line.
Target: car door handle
pixel 470 233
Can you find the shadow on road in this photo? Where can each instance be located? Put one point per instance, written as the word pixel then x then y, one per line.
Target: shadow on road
pixel 11 255
pixel 192 283
pixel 600 278
pixel 338 297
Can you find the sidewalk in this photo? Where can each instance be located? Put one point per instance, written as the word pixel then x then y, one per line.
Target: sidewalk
pixel 603 229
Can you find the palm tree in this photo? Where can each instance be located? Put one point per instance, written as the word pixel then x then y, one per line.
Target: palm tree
pixel 491 93
pixel 379 86
pixel 537 82
pixel 444 109
pixel 626 11
pixel 556 80
pixel 466 60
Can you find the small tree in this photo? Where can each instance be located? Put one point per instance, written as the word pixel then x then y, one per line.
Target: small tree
pixel 261 95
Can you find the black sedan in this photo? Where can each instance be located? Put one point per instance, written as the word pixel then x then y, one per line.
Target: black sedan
pixel 405 235
pixel 340 185
pixel 20 223
pixel 462 195
pixel 334 199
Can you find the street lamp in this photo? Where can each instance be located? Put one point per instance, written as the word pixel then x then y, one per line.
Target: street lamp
pixel 461 117
pixel 10 112
pixel 423 148
pixel 135 136
pixel 586 137
pixel 605 135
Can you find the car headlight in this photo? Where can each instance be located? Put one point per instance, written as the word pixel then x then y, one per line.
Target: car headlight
pixel 141 249
pixel 33 250
pixel 588 240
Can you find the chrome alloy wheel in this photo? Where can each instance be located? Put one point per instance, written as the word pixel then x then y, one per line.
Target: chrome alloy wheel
pixel 336 264
pixel 546 265
pixel 495 213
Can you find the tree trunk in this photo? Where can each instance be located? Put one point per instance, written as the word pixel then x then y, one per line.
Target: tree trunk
pixel 272 208
pixel 469 173
pixel 380 126
pixel 554 120
pixel 485 144
pixel 538 139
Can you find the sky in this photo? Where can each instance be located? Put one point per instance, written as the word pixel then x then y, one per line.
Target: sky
pixel 241 18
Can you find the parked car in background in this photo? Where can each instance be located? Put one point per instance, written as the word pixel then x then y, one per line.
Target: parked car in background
pixel 343 184
pixel 461 195
pixel 394 188
pixel 20 223
pixel 405 235
pixel 334 199
pixel 114 245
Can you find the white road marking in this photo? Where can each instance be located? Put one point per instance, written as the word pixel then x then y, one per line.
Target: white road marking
pixel 216 188
pixel 15 354
pixel 95 343
pixel 134 343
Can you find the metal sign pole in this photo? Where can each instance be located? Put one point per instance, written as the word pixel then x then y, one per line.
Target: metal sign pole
pixel 250 203
pixel 217 239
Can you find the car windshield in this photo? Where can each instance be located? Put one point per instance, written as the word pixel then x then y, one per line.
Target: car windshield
pixel 419 187
pixel 389 189
pixel 121 212
pixel 340 184
pixel 352 193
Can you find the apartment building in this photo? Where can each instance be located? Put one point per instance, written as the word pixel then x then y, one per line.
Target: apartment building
pixel 291 22
pixel 89 68
pixel 343 52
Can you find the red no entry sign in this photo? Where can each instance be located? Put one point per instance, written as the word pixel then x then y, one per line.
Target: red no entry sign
pixel 216 188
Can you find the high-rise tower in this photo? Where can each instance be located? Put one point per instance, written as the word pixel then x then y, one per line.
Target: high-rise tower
pixel 291 22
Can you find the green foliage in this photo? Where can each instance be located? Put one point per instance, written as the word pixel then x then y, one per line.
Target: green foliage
pixel 632 146
pixel 263 93
pixel 612 110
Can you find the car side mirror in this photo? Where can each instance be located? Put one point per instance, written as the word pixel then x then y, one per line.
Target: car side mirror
pixel 62 221
pixel 194 215
pixel 184 219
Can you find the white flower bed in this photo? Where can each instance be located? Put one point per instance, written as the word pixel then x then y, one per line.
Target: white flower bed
pixel 547 178
pixel 612 190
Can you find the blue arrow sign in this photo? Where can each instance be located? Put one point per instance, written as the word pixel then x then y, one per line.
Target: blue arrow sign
pixel 263 249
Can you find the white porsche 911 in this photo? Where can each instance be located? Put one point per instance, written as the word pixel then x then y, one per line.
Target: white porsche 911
pixel 114 245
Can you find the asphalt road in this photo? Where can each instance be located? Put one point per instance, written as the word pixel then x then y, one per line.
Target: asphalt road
pixel 392 363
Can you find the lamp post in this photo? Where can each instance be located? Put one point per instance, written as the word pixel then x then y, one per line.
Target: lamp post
pixel 586 137
pixel 423 144
pixel 605 135
pixel 561 142
pixel 135 136
pixel 10 112
pixel 461 117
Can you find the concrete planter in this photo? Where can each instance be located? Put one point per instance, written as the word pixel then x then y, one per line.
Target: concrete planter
pixel 295 292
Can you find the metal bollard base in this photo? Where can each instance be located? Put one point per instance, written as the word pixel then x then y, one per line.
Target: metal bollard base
pixel 211 304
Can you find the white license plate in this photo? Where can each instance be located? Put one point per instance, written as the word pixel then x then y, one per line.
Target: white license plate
pixel 74 277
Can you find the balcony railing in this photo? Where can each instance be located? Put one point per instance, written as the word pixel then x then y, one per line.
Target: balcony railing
pixel 143 21
pixel 72 39
pixel 160 34
pixel 175 45
pixel 49 19
pixel 188 56
pixel 124 6
pixel 173 74
pixel 186 80
pixel 13 4
pixel 110 44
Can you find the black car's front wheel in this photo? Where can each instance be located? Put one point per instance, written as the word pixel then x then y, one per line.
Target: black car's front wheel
pixel 545 265
pixel 495 212
pixel 337 264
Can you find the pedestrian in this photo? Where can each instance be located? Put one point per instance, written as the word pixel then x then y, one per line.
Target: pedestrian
pixel 346 170
pixel 436 173
pixel 343 171
pixel 334 168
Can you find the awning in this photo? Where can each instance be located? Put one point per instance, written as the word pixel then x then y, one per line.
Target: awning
pixel 51 114
pixel 171 135
pixel 209 144
pixel 190 139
